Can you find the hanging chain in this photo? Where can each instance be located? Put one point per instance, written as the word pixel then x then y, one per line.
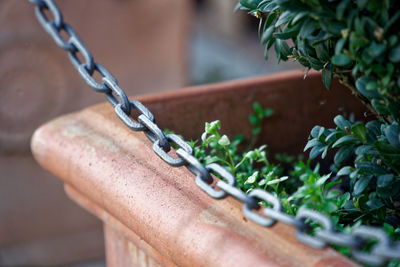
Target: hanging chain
pixel 380 253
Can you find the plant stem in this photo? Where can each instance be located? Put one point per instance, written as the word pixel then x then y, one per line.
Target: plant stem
pixel 347 80
pixel 233 169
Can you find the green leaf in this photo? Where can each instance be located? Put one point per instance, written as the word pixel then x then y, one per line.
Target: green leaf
pixel 268 112
pixel 224 141
pixel 361 85
pixel 256 131
pixel 370 168
pixel 258 110
pixel 278 180
pixel 252 178
pixel 282 49
pixel 345 140
pixel 321 181
pixel 271 18
pixel 364 149
pixel 284 18
pixel 341 60
pixel 250 4
pixel 286 35
pixel 339 45
pixel 331 26
pixel 375 49
pixel 361 184
pixel 358 130
pixel 385 180
pixel 341 8
pixel 375 203
pixel 345 171
pixel 392 133
pixel 394 54
pixel 342 123
pixel 308 28
pixel 327 77
pixel 315 151
pixel 266 52
pixel 343 154
pixel 212 127
pixel 254 119
pixel 380 106
pixel 322 52
pixel 315 63
pixel 315 131
pixel 330 184
pixel 267 34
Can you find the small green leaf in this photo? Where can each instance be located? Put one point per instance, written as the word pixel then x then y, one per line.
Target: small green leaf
pixel 375 203
pixel 392 133
pixel 282 49
pixel 278 180
pixel 256 131
pixel 361 184
pixel 286 35
pixel 327 78
pixel 345 171
pixel 358 130
pixel 342 123
pixel 394 54
pixel 321 181
pixel 370 168
pixel 375 49
pixel 315 131
pixel 380 106
pixel 361 85
pixel 268 112
pixel 341 60
pixel 252 178
pixel 267 34
pixel 224 141
pixel 212 126
pixel 364 149
pixel 308 28
pixel 315 151
pixel 258 110
pixel 385 180
pixel 250 4
pixel 345 140
pixel 339 46
pixel 342 154
pixel 283 18
pixel 341 8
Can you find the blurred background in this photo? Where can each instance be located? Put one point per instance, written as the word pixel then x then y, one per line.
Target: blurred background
pixel 149 46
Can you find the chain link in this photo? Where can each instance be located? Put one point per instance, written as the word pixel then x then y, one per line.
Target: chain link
pixel 381 252
pixel 267 197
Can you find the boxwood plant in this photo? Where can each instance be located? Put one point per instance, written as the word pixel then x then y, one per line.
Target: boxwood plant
pixel 358 42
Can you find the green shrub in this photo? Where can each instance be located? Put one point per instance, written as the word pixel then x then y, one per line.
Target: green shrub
pixel 356 41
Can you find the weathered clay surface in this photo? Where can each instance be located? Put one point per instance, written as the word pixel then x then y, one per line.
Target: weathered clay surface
pixel 119 178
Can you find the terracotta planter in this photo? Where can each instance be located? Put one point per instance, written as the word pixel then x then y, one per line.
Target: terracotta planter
pixel 155 214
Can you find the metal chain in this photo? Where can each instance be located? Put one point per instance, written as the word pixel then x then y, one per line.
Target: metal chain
pixel 380 253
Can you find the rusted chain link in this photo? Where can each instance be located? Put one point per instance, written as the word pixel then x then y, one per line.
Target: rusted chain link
pixel 380 253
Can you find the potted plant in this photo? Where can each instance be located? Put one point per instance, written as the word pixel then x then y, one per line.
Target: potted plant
pixel 92 147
